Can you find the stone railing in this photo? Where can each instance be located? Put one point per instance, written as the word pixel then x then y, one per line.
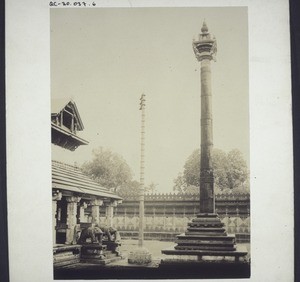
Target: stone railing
pixel 228 195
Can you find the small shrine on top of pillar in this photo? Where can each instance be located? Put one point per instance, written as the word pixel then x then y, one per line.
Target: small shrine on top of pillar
pixel 205 45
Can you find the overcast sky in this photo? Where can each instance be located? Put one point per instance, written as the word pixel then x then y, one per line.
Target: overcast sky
pixel 105 58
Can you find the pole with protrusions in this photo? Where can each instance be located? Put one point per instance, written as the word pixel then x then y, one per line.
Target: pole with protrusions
pixel 142 172
pixel 205 50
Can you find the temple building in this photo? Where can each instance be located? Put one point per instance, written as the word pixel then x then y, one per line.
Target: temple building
pixel 76 199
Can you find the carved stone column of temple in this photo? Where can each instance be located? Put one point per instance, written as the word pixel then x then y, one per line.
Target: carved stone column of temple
pixel 110 212
pixel 96 203
pixel 71 218
pixel 56 196
pixel 81 213
pixel 205 234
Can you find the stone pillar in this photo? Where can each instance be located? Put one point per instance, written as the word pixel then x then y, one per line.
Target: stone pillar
pixel 135 219
pixel 110 212
pixel 125 221
pixel 71 218
pixel 153 219
pixel 81 215
pixel 56 196
pixel 205 50
pixel 173 220
pixel 96 203
pixel 164 218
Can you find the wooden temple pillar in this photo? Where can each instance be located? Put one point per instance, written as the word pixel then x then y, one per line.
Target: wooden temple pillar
pixel 56 196
pixel 95 204
pixel 71 218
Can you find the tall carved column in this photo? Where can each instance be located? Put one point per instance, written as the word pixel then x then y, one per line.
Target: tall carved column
pixel 71 218
pixel 205 234
pixel 96 203
pixel 56 196
pixel 205 50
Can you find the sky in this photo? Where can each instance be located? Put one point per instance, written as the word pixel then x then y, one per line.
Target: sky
pixel 105 58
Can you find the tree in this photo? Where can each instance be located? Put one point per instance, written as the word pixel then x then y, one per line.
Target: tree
pixel 180 184
pixel 151 188
pixel 191 171
pixel 230 171
pixel 131 188
pixel 108 169
pixel 237 171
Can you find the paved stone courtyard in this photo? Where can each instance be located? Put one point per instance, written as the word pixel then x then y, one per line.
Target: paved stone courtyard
pixel 121 269
pixel 155 247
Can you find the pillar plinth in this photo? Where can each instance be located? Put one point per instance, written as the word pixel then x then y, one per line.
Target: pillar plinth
pixel 71 218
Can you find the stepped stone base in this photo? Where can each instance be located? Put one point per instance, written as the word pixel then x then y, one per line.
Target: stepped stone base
pixel 66 255
pixel 205 239
pixel 100 254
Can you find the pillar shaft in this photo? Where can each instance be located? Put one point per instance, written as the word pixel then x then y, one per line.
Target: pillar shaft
pixel 110 212
pixel 205 49
pixel 142 175
pixel 207 203
pixel 71 218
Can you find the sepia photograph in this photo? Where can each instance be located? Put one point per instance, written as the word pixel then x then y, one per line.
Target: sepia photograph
pixel 150 143
pixel 162 132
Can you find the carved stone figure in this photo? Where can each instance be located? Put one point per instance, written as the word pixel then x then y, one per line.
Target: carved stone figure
pixel 94 233
pixel 111 233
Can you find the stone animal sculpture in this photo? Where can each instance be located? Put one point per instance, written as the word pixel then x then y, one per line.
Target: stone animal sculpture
pixel 111 233
pixel 94 233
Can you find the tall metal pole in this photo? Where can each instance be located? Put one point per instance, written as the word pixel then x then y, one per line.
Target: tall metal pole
pixel 142 172
pixel 205 51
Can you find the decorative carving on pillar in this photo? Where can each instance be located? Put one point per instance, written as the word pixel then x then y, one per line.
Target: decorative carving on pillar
pixel 71 218
pixel 205 45
pixel 56 195
pixel 96 202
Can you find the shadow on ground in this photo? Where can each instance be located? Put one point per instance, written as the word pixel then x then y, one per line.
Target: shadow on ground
pixel 183 271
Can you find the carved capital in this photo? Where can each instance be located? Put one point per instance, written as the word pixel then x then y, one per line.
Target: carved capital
pixel 112 204
pixel 56 195
pixel 96 202
pixel 205 47
pixel 84 205
pixel 73 199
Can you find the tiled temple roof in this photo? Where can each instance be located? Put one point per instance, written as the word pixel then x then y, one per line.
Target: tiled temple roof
pixel 71 178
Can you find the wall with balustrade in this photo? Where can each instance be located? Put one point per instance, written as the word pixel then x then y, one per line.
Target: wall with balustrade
pixel 170 213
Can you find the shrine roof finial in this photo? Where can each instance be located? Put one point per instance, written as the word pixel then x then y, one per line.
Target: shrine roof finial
pixel 204 28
